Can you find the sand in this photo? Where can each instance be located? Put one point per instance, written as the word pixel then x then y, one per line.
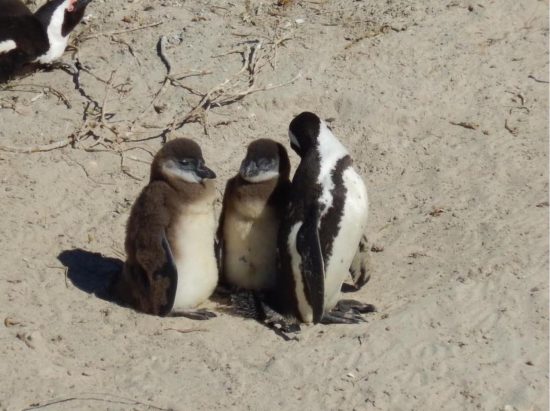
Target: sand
pixel 442 104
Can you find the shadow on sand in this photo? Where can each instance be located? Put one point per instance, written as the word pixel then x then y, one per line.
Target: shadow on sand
pixel 91 272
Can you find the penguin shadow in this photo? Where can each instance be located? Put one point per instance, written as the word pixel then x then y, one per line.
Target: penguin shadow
pixel 91 272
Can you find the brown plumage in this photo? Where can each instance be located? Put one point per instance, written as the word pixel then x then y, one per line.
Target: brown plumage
pixel 253 206
pixel 180 186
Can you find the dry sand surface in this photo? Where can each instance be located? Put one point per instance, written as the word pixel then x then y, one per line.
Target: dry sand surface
pixel 442 104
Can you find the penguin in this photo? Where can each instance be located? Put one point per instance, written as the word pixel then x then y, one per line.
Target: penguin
pixel 171 264
pixel 253 206
pixel 324 224
pixel 35 38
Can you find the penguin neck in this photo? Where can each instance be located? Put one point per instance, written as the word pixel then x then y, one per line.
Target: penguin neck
pixel 262 191
pixel 185 192
pixel 52 20
pixel 329 149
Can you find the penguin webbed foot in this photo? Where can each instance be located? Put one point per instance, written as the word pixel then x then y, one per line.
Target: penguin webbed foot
pixel 200 314
pixel 58 65
pixel 279 324
pixel 348 312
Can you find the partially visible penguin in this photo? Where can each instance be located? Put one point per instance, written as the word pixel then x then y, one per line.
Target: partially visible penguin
pixel 253 207
pixel 40 37
pixel 171 264
pixel 320 235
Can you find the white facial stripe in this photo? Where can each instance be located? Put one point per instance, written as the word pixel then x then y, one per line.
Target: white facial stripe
pixel 293 139
pixel 262 177
pixel 7 45
pixel 330 151
pixel 58 43
pixel 176 172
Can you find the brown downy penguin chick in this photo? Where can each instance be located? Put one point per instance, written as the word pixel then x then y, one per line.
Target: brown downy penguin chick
pixel 253 206
pixel 171 264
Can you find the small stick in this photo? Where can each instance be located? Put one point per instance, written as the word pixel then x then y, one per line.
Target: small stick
pixel 107 88
pixel 117 401
pixel 186 330
pixel 36 149
pixel 536 79
pixel 464 124
pixel 55 92
pixel 512 130
pixel 113 33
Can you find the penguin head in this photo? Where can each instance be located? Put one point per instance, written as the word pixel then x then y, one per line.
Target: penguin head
pixel 265 160
pixel 60 17
pixel 180 160
pixel 304 132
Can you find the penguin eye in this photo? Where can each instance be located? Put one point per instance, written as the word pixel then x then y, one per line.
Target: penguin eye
pixel 186 162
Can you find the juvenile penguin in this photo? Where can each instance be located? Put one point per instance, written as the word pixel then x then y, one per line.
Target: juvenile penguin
pixel 319 238
pixel 253 207
pixel 171 264
pixel 40 37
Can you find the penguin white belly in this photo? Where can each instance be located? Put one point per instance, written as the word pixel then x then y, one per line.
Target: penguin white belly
pixel 195 259
pixel 351 228
pixel 251 249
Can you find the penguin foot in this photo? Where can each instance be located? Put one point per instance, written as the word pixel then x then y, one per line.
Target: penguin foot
pixel 200 314
pixel 283 328
pixel 337 317
pixel 275 321
pixel 354 306
pixel 348 312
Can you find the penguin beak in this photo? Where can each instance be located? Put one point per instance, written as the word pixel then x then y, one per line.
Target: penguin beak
pixel 204 172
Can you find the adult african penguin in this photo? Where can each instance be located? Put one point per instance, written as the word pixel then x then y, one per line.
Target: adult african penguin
pixel 171 264
pixel 35 38
pixel 253 206
pixel 324 224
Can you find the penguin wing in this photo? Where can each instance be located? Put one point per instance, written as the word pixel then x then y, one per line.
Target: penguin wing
pixel 308 245
pixel 165 280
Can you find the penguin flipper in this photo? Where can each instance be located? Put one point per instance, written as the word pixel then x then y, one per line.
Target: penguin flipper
pixel 308 245
pixel 165 281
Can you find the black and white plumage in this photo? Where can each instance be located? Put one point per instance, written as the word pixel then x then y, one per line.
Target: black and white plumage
pixel 35 38
pixel 319 238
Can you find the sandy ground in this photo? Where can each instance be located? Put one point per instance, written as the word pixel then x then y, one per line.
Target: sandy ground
pixel 444 107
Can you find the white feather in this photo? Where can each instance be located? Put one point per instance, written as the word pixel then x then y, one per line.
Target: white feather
pixel 7 45
pixel 351 228
pixel 170 169
pixel 194 254
pixel 58 43
pixel 268 175
pixel 330 151
pixel 293 139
